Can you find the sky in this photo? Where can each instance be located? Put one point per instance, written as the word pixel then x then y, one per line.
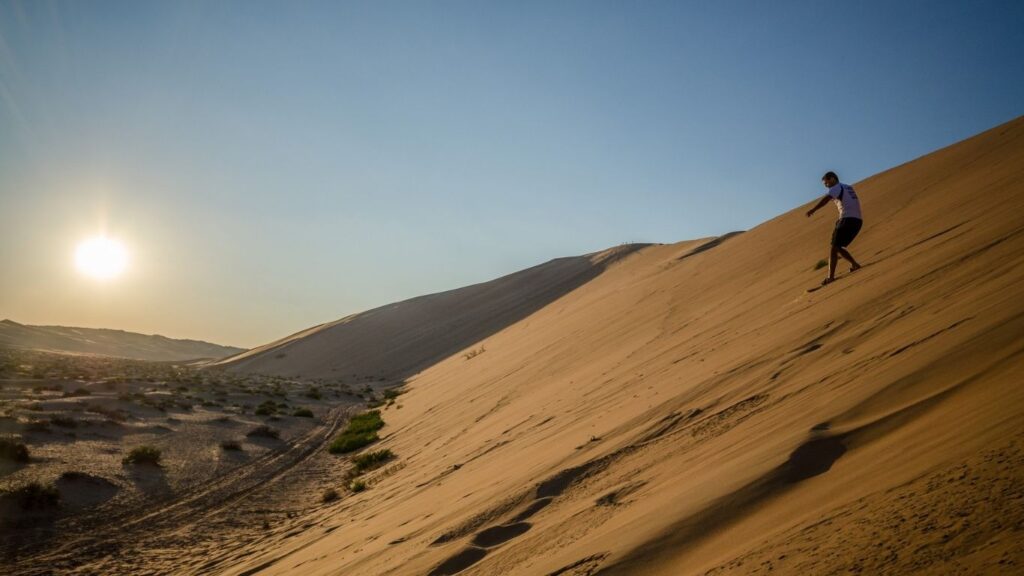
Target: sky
pixel 270 166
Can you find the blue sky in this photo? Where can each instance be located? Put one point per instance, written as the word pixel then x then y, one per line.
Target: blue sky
pixel 275 165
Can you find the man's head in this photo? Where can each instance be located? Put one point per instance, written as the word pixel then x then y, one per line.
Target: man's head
pixel 830 179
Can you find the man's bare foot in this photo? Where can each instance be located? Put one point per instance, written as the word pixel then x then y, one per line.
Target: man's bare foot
pixel 855 267
pixel 827 281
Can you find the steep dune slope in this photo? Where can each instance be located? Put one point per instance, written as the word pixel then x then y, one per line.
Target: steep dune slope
pixel 396 340
pixel 692 412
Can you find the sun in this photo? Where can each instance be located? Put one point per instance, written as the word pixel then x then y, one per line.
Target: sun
pixel 101 258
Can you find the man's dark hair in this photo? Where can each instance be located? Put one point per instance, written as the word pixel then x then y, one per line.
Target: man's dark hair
pixel 830 175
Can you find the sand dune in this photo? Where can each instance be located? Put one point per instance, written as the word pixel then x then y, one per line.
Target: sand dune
pixel 692 411
pixel 106 342
pixel 395 341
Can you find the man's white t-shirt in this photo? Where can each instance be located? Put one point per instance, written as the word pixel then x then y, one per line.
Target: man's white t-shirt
pixel 846 200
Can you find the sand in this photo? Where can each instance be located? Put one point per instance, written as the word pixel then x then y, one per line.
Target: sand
pixel 686 409
pixel 692 412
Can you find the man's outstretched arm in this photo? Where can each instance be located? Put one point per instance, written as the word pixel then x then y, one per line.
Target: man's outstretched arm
pixel 824 200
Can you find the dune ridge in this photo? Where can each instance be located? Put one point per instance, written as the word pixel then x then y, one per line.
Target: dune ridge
pixel 395 341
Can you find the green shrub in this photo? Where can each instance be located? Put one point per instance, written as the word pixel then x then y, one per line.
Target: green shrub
pixel 821 264
pixel 13 451
pixel 357 486
pixel 33 496
pixel 372 460
pixel 303 413
pixel 365 422
pixel 360 431
pixel 346 443
pixel 330 495
pixel 143 455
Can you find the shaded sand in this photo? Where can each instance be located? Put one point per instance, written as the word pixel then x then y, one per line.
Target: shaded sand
pixel 695 411
pixel 393 342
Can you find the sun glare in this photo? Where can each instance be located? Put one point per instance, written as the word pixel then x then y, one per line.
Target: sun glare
pixel 101 258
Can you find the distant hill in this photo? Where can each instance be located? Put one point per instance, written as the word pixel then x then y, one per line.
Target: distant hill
pixel 107 343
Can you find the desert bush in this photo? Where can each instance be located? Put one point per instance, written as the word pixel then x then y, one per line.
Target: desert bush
pixel 330 495
pixel 231 445
pixel 267 408
pixel 77 392
pixel 372 460
pixel 33 496
pixel 393 393
pixel 13 451
pixel 143 455
pixel 303 413
pixel 263 431
pixel 821 264
pixel 357 486
pixel 64 422
pixel 360 431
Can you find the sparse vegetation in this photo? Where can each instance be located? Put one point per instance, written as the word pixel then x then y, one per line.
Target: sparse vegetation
pixel 264 431
pixel 13 451
pixel 303 413
pixel 231 445
pixel 821 264
pixel 361 431
pixel 357 486
pixel 474 353
pixel 33 496
pixel 330 495
pixel 143 455
pixel 267 408
pixel 371 460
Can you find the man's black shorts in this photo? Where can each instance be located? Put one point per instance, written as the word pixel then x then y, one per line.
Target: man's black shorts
pixel 846 230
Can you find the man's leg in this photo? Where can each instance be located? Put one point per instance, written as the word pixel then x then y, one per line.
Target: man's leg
pixel 849 257
pixel 832 263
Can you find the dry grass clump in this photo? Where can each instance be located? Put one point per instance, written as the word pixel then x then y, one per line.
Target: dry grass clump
pixel 143 455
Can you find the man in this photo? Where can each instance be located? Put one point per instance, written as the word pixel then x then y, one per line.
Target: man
pixel 847 226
